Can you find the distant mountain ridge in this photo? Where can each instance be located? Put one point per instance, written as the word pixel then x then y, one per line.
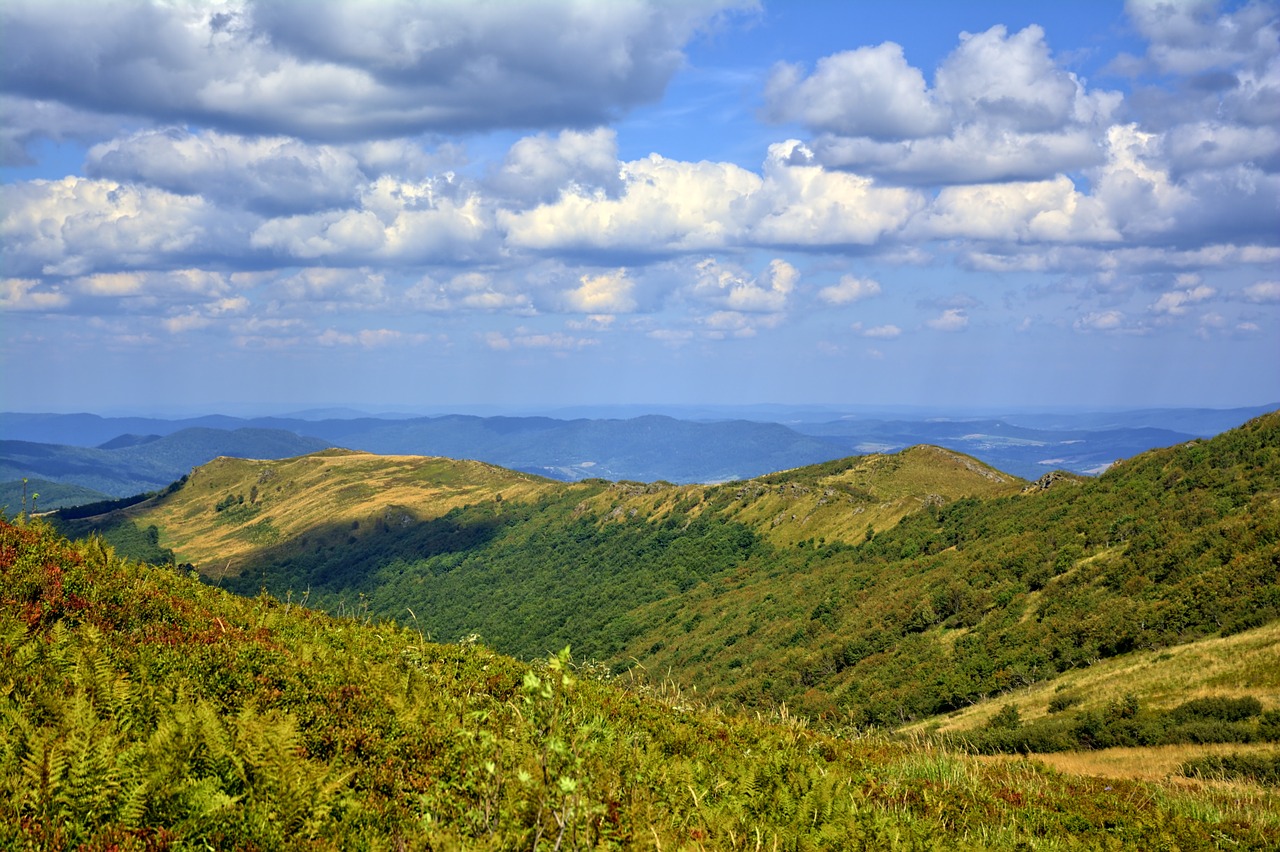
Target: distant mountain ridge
pixel 644 448
pixel 134 466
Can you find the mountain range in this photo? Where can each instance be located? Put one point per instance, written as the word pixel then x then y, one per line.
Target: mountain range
pixel 117 457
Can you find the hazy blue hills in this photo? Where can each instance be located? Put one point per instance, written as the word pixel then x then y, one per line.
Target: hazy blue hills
pixel 136 467
pixel 1028 452
pixel 125 455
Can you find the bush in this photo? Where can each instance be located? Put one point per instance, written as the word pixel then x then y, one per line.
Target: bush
pixel 1217 708
pixel 1065 701
pixel 1258 768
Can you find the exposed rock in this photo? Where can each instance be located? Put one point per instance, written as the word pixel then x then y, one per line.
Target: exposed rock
pixel 1049 480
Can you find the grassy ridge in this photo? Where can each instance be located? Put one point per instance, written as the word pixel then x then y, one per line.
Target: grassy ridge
pixel 879 590
pixel 142 709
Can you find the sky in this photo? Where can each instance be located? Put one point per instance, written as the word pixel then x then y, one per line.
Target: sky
pixel 266 206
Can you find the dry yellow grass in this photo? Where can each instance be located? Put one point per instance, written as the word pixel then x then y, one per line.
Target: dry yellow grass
pixel 787 509
pixel 1231 666
pixel 1152 763
pixel 290 497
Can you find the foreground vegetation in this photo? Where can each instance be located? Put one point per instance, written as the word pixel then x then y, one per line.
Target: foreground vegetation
pixel 143 709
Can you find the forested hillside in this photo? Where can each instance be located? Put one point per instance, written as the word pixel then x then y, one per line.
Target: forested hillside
pixel 142 709
pixel 878 589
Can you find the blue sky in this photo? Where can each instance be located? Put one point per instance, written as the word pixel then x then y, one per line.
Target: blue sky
pixel 425 205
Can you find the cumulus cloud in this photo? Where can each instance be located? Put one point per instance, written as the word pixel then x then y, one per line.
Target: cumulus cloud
pixel 849 289
pixel 1040 211
pixel 28 294
pixel 348 70
pixel 952 319
pixel 882 332
pixel 1192 37
pixel 469 291
pixel 539 168
pixel 1176 302
pixel 1263 292
pixel 1110 320
pixel 664 206
pixel 870 91
pixel 396 221
pixel 360 287
pixel 807 205
pixel 75 225
pixel 1000 109
pixel 271 174
pixel 737 291
pixel 607 293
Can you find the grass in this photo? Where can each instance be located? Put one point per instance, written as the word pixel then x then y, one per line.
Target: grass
pixel 299 494
pixel 1152 763
pixel 1230 666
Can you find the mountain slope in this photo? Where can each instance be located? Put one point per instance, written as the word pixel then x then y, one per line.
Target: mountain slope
pixel 881 589
pixel 528 563
pixel 144 710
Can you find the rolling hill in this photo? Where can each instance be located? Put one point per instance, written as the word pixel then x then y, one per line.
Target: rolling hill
pixel 879 589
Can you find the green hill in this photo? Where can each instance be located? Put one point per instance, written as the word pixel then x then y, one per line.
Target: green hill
pixel 879 590
pixel 529 564
pixel 142 709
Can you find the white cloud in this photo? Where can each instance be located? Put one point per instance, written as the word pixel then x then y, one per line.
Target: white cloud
pixel 1101 321
pixel 665 205
pixel 397 222
pixel 871 92
pixel 346 69
pixel 884 332
pixel 1041 211
pixel 271 174
pixel 952 319
pixel 1009 80
pixel 75 225
pixel 1263 292
pixel 539 168
pixel 1214 145
pixel 1189 37
pixel 1175 302
pixel 359 287
pixel 737 291
pixel 807 205
pixel 29 294
pixel 849 289
pixel 1000 109
pixel 971 153
pixel 607 293
pixel 469 291
pixel 26 120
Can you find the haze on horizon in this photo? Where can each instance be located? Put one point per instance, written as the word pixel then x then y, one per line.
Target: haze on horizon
pixel 280 205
